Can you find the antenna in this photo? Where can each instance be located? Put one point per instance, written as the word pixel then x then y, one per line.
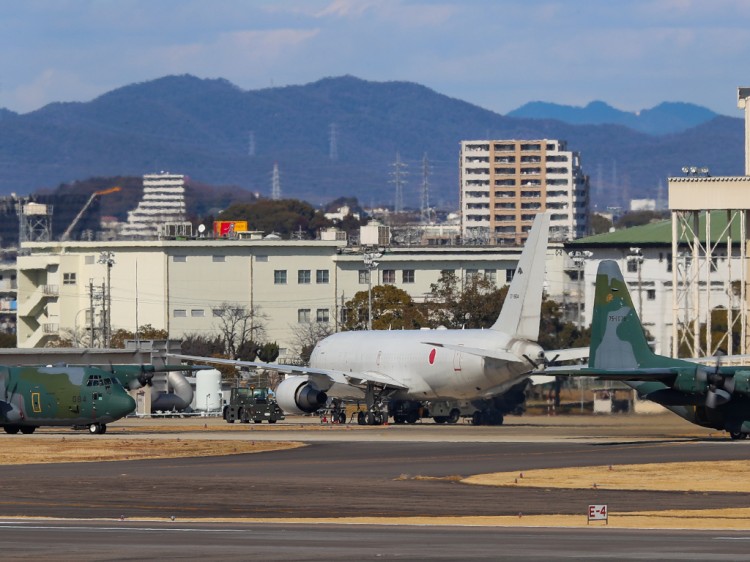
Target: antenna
pixel 251 143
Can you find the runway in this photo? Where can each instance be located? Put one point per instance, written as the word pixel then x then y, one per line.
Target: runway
pixel 177 541
pixel 363 473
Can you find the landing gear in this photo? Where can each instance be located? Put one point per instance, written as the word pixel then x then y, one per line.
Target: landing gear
pixel 11 429
pixel 487 417
pixel 28 429
pixel 376 413
pixel 97 429
pixel 737 435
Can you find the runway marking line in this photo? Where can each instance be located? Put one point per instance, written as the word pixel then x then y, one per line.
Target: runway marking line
pixel 723 520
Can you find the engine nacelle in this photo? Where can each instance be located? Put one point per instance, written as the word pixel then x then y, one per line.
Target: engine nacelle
pixel 295 395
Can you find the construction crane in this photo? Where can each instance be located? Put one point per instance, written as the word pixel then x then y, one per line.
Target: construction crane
pixel 66 235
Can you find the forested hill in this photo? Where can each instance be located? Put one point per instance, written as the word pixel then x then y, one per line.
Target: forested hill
pixel 337 136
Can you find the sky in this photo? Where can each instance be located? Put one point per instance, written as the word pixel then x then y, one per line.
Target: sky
pixel 497 54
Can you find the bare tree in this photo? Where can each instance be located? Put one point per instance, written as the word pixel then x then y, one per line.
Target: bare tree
pixel 307 335
pixel 239 325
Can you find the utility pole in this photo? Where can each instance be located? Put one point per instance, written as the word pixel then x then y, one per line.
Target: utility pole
pixel 91 313
pixel 333 149
pixel 399 175
pixel 425 207
pixel 275 183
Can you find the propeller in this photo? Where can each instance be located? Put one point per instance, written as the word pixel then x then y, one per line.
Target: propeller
pixel 720 388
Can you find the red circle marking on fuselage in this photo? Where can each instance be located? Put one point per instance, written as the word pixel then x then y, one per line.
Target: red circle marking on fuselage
pixel 432 356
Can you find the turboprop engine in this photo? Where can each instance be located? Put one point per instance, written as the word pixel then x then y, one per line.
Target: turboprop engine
pixel 295 395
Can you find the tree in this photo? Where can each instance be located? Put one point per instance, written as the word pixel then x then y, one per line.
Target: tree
pixel 284 217
pixel 145 332
pixel 7 340
pixel 599 224
pixel 476 305
pixel 239 326
pixel 392 308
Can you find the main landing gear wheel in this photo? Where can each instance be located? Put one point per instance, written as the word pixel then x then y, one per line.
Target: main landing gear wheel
pixel 11 429
pixel 97 429
pixel 737 435
pixel 28 429
pixel 454 416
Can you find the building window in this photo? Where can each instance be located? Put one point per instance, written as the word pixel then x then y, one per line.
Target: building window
pixel 279 276
pixel 471 274
pixel 389 276
pixel 632 266
pixel 407 276
pixel 69 278
pixel 180 313
pixel 322 315
pixel 218 259
pixel 89 260
pixel 261 258
pixel 491 275
pixel 217 312
pixel 303 315
pixel 321 276
pixel 364 277
pixel 651 294
pixel 179 259
pixel 303 276
pixel 509 273
pixel 197 313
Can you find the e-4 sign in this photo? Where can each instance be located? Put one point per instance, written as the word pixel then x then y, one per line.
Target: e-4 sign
pixel 599 513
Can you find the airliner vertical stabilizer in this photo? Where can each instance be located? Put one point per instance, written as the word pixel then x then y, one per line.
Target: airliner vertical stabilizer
pixel 521 311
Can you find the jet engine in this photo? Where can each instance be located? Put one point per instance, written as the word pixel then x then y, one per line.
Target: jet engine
pixel 295 395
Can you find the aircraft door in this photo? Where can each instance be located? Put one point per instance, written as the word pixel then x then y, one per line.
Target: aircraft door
pixel 36 402
pixel 457 361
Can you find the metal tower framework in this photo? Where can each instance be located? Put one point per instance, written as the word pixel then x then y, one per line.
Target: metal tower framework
pixel 696 248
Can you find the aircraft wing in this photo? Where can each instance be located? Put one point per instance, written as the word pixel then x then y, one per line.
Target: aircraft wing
pixel 657 373
pixel 491 353
pixel 324 377
pixel 570 354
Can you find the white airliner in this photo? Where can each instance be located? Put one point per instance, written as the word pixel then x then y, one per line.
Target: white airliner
pixel 414 366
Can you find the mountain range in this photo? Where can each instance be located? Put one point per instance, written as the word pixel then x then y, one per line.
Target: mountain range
pixel 333 137
pixel 665 118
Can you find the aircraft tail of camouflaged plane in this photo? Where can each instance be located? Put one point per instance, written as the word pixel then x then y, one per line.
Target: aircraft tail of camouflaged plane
pixel 713 396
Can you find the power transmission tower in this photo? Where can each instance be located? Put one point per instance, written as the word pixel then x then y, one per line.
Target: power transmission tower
pixel 251 144
pixel 333 150
pixel 275 183
pixel 425 206
pixel 399 174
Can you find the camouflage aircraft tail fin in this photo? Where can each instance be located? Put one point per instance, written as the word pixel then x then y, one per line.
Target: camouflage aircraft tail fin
pixel 617 337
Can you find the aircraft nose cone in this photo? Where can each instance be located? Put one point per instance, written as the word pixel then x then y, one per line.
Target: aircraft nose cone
pixel 121 404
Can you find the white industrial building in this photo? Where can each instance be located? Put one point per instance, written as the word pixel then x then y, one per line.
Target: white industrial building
pixel 504 184
pixel 177 284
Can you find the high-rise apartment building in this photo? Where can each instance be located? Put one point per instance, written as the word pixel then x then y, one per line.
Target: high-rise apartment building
pixel 505 183
pixel 163 202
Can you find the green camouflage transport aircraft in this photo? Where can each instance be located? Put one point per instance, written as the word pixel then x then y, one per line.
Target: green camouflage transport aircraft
pixel 717 397
pixel 82 397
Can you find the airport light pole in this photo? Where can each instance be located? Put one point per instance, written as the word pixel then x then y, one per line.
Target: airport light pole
pixel 579 260
pixel 371 265
pixel 636 257
pixel 108 258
